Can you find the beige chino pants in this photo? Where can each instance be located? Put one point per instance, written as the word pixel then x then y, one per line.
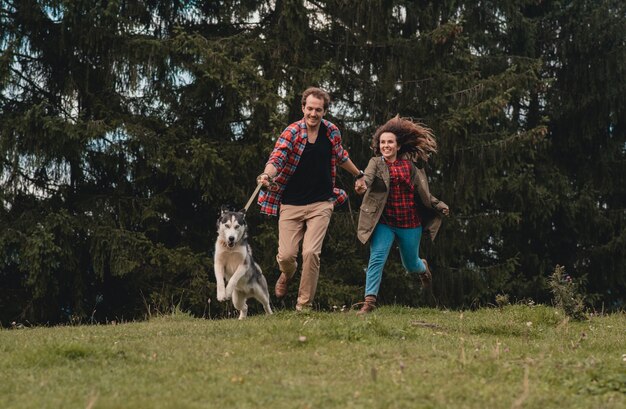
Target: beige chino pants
pixel 306 224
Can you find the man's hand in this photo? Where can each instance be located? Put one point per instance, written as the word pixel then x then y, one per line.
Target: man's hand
pixel 264 179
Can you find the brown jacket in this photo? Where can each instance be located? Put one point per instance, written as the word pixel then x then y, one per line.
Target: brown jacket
pixel 377 180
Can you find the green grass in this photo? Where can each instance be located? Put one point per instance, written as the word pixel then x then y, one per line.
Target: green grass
pixel 518 356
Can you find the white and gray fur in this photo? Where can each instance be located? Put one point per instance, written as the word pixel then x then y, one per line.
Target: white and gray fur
pixel 234 263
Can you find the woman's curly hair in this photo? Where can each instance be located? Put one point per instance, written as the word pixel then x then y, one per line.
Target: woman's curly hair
pixel 415 140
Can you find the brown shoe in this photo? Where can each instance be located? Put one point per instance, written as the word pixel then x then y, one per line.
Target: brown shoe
pixel 426 277
pixel 369 305
pixel 304 307
pixel 281 286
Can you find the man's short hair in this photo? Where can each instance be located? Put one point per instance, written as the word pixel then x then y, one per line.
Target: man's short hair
pixel 317 93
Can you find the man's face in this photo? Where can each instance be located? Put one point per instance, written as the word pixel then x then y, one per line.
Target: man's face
pixel 313 110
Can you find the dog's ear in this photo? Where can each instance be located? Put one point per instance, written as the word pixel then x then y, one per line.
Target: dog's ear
pixel 224 209
pixel 243 215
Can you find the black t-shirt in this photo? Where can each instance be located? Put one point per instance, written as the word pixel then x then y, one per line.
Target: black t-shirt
pixel 312 181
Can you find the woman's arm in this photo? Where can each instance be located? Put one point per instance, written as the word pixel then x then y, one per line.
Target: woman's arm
pixel 439 206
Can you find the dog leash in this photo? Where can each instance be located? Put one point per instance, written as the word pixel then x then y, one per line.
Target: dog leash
pixel 256 191
pixel 273 187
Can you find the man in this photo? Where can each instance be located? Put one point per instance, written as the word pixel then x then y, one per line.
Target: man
pixel 303 167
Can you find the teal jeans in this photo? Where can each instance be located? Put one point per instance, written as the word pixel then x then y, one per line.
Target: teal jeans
pixel 380 244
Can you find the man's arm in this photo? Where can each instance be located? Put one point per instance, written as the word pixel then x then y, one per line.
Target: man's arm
pixel 268 173
pixel 277 158
pixel 359 184
pixel 350 167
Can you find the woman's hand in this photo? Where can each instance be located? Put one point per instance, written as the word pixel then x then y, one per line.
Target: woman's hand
pixel 360 186
pixel 445 211
pixel 441 207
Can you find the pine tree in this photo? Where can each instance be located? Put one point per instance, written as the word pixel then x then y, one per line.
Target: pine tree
pixel 587 111
pixel 126 125
pixel 110 156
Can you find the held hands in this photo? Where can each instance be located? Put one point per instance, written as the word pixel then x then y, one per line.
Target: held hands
pixel 359 186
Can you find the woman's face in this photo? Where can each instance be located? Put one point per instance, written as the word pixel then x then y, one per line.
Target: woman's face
pixel 388 146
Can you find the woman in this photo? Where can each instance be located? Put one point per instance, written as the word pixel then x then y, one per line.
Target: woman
pixel 397 203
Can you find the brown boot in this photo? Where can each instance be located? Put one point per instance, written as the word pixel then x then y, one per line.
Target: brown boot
pixel 281 286
pixel 426 277
pixel 369 305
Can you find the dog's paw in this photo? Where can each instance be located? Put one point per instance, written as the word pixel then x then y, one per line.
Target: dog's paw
pixel 221 297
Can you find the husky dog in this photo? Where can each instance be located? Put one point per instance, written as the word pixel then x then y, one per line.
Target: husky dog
pixel 233 262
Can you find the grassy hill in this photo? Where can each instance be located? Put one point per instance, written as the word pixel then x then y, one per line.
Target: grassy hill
pixel 516 357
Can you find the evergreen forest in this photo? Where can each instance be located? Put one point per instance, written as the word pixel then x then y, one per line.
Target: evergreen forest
pixel 125 125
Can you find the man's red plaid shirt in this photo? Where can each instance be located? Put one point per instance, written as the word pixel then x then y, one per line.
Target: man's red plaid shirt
pixel 286 156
